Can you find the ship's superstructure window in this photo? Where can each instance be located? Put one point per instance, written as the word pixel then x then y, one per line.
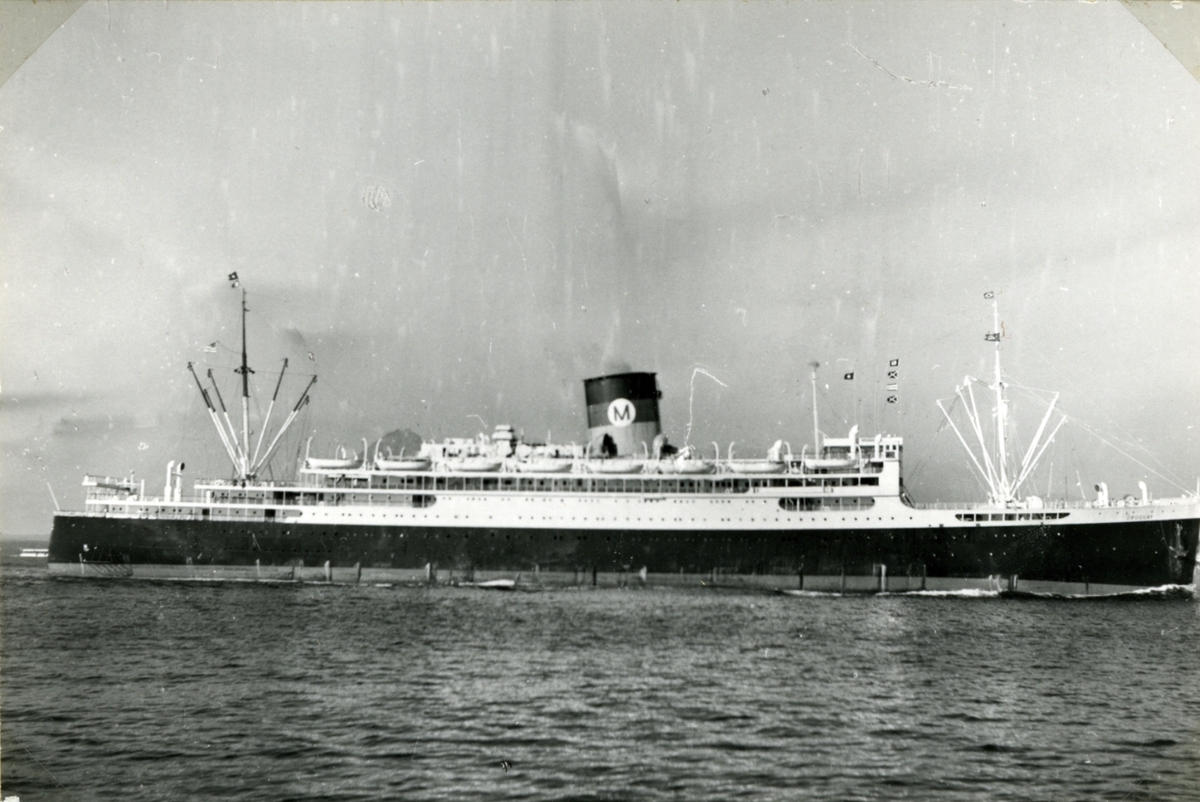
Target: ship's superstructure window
pixel 574 483
pixel 800 487
pixel 982 517
pixel 830 504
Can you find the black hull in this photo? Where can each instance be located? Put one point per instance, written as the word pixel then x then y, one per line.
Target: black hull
pixel 1127 554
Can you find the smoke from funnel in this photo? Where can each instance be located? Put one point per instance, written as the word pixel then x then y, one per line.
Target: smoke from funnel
pixel 611 365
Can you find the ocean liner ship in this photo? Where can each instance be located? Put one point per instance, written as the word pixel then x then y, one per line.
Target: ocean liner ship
pixel 627 508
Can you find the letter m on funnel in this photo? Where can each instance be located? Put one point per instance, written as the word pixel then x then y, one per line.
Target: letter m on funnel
pixel 621 412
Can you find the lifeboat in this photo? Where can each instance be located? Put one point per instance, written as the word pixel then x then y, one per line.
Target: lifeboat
pixel 331 464
pixel 757 466
pixel 774 462
pixel 815 464
pixel 497 584
pixel 819 463
pixel 688 467
pixel 687 463
pixel 403 464
pixel 341 462
pixel 544 465
pixel 475 464
pixel 616 466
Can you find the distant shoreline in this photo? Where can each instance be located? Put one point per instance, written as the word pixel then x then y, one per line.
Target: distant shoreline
pixel 11 545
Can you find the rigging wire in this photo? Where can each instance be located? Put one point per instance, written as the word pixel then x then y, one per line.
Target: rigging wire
pixel 1039 395
pixel 1113 443
pixel 920 462
pixel 1112 423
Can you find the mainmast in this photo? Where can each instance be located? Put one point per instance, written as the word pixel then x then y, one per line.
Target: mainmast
pixel 245 371
pixel 816 424
pixel 1001 402
pixel 996 473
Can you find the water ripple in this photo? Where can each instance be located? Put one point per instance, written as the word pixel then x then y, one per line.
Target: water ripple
pixel 172 691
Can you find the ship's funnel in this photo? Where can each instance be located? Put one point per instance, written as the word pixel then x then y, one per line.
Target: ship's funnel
pixel 622 413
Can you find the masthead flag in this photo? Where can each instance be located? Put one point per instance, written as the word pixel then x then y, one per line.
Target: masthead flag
pixel 233 279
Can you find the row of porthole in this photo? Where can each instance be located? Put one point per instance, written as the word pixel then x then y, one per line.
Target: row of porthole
pixel 350 514
pixel 373 515
pixel 675 520
pixel 591 500
pixel 335 535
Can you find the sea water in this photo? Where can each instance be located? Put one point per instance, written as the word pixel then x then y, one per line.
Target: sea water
pixel 140 690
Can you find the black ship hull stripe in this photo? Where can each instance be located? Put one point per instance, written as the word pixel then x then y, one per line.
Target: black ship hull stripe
pixel 1137 553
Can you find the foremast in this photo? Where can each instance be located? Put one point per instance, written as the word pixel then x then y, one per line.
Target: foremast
pixel 1002 478
pixel 247 465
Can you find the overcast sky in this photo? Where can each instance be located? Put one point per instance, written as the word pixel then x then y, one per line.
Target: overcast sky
pixel 463 209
